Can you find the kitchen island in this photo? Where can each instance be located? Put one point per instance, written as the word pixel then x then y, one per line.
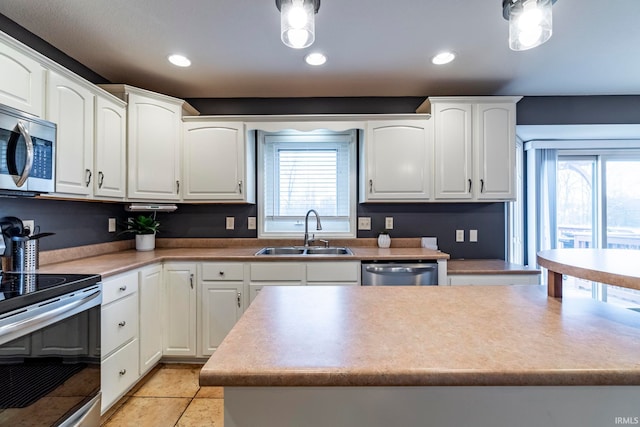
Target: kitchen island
pixel 442 356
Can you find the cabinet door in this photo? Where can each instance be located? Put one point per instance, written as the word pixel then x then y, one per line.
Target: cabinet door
pixel 495 143
pixel 214 158
pixel 179 312
pixel 453 151
pixel 150 335
pixel 220 309
pixel 398 160
pixel 111 143
pixel 71 107
pixel 21 81
pixel 154 148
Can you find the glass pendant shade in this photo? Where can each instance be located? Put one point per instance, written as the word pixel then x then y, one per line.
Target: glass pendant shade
pixel 530 22
pixel 297 23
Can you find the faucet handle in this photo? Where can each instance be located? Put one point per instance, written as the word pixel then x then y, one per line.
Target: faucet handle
pixel 326 243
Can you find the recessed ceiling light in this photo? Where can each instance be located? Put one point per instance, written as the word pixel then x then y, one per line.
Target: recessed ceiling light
pixel 315 59
pixel 179 60
pixel 443 58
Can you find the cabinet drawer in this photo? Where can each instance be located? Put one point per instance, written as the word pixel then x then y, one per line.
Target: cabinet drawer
pixel 277 271
pixel 119 286
pixel 333 271
pixel 118 373
pixel 222 271
pixel 119 323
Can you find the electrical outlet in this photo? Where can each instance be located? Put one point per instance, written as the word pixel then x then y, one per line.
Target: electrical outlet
pixel 473 235
pixel 29 223
pixel 251 223
pixel 388 223
pixel 112 225
pixel 364 223
pixel 459 235
pixel 231 222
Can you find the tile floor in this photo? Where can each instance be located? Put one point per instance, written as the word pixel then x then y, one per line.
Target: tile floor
pixel 168 396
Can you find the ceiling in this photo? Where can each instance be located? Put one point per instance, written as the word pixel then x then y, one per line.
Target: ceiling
pixel 374 47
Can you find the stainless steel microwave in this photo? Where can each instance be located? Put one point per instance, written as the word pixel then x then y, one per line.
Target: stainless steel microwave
pixel 27 153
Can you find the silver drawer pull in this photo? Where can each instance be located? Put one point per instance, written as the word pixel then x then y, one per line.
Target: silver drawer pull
pixel 123 288
pixel 122 372
pixel 121 324
pixel 221 273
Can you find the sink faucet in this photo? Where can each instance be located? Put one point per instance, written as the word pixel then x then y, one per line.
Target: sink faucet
pixel 306 225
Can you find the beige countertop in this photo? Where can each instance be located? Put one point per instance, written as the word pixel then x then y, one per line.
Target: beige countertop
pixel 487 266
pixel 122 261
pixel 426 336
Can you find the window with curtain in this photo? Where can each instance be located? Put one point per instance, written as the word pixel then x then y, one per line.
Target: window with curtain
pixel 302 171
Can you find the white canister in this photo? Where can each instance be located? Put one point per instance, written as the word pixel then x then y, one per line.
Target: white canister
pixel 384 240
pixel 145 242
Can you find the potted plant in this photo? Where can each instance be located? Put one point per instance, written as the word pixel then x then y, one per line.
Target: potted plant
pixel 145 228
pixel 384 240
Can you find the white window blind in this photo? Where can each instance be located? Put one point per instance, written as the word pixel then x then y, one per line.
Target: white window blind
pixel 303 171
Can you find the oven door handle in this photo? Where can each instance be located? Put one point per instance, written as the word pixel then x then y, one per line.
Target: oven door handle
pixel 50 313
pixel 399 269
pixel 29 163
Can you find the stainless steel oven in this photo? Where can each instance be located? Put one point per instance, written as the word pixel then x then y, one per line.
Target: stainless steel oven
pixel 27 153
pixel 50 350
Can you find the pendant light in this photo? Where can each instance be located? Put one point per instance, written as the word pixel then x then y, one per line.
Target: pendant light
pixel 530 22
pixel 297 22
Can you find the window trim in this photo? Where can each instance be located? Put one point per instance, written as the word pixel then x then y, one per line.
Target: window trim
pixel 315 136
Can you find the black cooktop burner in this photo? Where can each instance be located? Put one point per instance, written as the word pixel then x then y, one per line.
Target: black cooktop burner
pixel 22 289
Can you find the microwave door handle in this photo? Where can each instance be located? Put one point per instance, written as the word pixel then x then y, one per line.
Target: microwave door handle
pixel 29 163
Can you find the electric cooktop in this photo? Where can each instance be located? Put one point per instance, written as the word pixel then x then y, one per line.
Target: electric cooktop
pixel 19 290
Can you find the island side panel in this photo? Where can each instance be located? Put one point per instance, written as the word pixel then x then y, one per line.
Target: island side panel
pixel 584 406
pixel 554 284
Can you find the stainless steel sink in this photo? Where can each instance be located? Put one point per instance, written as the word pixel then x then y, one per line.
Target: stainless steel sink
pixel 300 250
pixel 281 251
pixel 328 251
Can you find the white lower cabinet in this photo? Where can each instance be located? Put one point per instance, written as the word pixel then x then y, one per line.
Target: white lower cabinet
pixel 150 292
pixel 337 273
pixel 220 303
pixel 119 336
pixel 493 279
pixel 179 311
pixel 274 274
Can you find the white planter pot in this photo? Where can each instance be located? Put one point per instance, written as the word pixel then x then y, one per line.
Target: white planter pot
pixel 384 241
pixel 145 242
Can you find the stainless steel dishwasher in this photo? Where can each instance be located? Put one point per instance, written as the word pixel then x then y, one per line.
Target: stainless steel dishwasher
pixel 400 273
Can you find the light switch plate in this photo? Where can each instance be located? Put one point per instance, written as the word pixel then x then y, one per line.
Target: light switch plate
pixel 364 223
pixel 388 223
pixel 251 223
pixel 473 235
pixel 231 223
pixel 112 225
pixel 29 223
pixel 459 235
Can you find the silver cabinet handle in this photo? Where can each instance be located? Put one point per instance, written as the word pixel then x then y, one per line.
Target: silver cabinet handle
pixel 29 162
pixel 240 186
pixel 122 324
pixel 239 298
pixel 123 288
pixel 100 179
pixel 482 185
pixel 178 187
pixel 191 280
pixel 469 187
pixel 88 174
pixel 370 186
pixel 122 372
pixel 221 273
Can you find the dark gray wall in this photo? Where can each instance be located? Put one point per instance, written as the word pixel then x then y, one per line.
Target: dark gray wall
pixel 579 110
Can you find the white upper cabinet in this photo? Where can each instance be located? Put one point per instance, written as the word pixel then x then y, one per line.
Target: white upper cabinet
pixel 110 148
pixel 218 162
pixel 21 79
pixel 154 124
pixel 396 161
pixel 71 106
pixel 474 148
